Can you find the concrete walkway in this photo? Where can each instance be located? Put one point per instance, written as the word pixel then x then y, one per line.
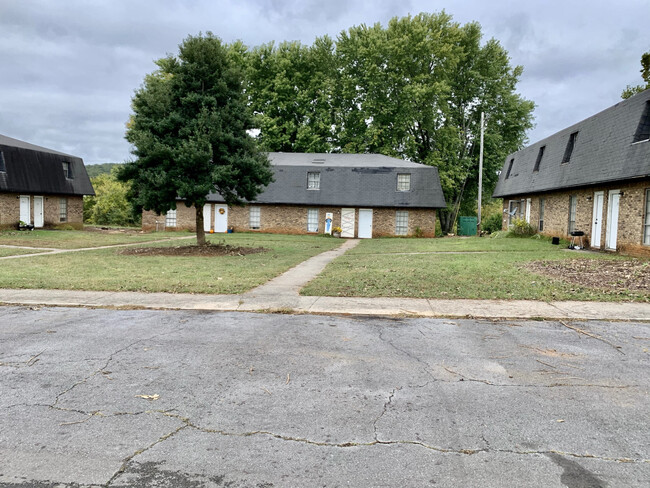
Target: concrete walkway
pixel 281 294
pixel 289 283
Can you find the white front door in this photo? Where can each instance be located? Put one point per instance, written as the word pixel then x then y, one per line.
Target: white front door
pixel 347 222
pixel 221 218
pixel 365 223
pixel 611 233
pixel 38 211
pixel 597 220
pixel 25 209
pixel 207 217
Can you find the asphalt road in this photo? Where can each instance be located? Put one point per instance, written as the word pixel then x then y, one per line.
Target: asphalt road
pixel 195 399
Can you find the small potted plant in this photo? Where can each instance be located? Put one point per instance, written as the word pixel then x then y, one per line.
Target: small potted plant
pixel 336 231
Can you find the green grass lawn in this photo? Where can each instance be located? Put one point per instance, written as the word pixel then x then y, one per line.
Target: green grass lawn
pixel 454 244
pixel 76 239
pixel 106 269
pixel 455 268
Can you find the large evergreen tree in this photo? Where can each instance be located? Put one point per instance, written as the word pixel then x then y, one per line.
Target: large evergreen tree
pixel 189 130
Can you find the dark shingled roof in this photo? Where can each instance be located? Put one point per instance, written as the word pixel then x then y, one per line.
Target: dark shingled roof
pixel 37 170
pixel 349 180
pixel 604 152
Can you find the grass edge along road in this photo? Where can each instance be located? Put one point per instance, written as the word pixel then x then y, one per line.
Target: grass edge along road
pixel 459 268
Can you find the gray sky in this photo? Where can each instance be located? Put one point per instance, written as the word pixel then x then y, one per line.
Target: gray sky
pixel 68 68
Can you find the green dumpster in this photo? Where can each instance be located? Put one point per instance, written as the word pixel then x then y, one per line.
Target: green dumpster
pixel 467 226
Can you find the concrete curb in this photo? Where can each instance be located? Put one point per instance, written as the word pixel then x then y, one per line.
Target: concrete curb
pixel 402 307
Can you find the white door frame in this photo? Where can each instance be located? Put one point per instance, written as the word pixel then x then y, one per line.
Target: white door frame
pixel 347 222
pixel 597 219
pixel 365 223
pixel 611 232
pixel 207 217
pixel 38 211
pixel 25 209
pixel 220 219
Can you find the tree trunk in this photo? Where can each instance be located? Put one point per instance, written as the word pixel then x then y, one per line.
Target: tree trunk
pixel 449 215
pixel 200 231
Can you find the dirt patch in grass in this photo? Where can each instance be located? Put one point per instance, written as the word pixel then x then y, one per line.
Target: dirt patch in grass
pixel 111 230
pixel 210 250
pixel 604 274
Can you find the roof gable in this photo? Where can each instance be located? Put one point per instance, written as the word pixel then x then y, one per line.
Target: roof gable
pixel 354 180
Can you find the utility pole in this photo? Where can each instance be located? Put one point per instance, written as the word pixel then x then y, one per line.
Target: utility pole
pixel 480 178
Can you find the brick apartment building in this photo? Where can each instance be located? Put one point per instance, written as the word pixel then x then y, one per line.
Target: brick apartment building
pixel 593 177
pixel 367 195
pixel 40 187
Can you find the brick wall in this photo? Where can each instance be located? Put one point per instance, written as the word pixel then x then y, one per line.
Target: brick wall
pixel 292 219
pixel 10 210
pixel 556 213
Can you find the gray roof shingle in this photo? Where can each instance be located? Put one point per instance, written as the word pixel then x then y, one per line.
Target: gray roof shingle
pixel 604 152
pixel 354 180
pixel 37 170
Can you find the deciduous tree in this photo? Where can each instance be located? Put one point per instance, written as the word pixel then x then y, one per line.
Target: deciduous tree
pixel 416 90
pixel 645 74
pixel 109 205
pixel 290 90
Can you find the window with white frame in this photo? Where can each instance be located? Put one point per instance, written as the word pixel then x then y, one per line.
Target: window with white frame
pixel 401 223
pixel 513 210
pixel 540 227
pixel 312 220
pixel 254 217
pixel 170 218
pixel 573 207
pixel 646 220
pixel 63 209
pixel 313 180
pixel 404 182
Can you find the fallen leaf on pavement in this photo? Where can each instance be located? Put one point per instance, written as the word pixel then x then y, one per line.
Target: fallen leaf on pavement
pixel 149 397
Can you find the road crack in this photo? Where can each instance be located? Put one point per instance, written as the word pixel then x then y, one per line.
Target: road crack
pixel 128 459
pixel 383 412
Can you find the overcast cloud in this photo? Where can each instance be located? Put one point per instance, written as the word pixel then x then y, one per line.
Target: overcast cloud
pixel 68 68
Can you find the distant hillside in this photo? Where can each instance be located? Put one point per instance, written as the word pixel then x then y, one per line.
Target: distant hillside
pixel 100 169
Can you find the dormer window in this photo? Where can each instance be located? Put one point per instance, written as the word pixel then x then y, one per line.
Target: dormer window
pixel 540 155
pixel 512 161
pixel 404 182
pixel 569 147
pixel 643 130
pixel 313 180
pixel 3 166
pixel 67 170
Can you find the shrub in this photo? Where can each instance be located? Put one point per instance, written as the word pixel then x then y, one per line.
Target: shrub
pixel 438 229
pixel 418 232
pixel 521 228
pixel 492 223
